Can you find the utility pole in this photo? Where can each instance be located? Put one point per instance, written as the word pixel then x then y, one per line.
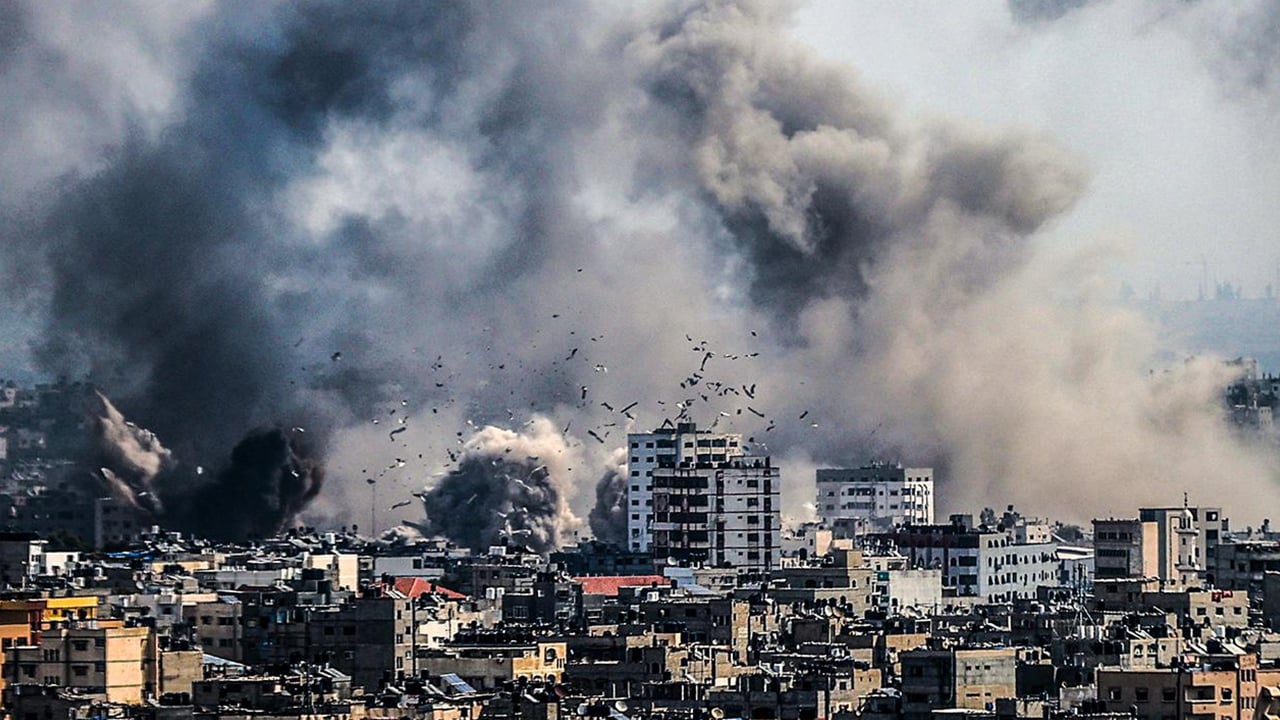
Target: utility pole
pixel 373 507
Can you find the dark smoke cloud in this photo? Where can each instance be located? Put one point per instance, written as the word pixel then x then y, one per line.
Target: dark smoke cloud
pixel 508 487
pixel 391 224
pixel 608 517
pixel 269 479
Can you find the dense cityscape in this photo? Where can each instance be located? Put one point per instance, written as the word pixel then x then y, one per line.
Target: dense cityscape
pixel 715 606
pixel 660 359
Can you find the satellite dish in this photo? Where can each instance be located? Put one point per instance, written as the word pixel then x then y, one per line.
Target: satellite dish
pixel 582 709
pixel 620 705
pixel 717 714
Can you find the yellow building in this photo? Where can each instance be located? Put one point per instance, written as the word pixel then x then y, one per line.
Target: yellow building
pixel 100 656
pixel 22 621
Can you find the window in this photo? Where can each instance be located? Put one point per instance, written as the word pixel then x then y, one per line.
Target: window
pixel 1140 694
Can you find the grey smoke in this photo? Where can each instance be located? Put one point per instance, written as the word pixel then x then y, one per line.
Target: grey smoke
pixel 260 490
pixel 508 487
pixel 457 198
pixel 608 518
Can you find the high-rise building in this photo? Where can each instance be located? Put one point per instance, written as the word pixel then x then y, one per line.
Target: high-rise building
pixel 695 498
pixel 877 496
pixel 668 447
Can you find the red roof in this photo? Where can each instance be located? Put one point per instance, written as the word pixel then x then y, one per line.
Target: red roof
pixel 609 585
pixel 415 586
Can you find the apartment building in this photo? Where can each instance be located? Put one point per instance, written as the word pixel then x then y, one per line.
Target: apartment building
pixel 667 448
pixel 875 497
pixel 720 513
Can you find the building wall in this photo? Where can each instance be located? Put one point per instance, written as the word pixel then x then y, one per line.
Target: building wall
pixel 1197 692
pixel 977 562
pixel 728 515
pixel 683 445
pixel 218 626
pixel 972 679
pixel 880 495
pixel 117 661
pixel 1125 548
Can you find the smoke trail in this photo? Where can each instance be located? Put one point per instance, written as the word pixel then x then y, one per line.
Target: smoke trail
pixel 129 457
pixel 508 486
pixel 269 480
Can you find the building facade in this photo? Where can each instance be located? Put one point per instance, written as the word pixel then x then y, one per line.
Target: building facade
pixel 664 449
pixel 878 496
pixel 720 514
pixel 976 562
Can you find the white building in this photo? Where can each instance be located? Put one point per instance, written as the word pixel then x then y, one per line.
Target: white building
pixel 977 562
pixel 720 514
pixel 878 496
pixel 681 446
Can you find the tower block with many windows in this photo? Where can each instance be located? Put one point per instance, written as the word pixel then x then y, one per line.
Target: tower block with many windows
pixel 695 498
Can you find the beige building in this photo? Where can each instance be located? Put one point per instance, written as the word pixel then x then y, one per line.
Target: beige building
pixel 21 621
pixel 487 667
pixel 1126 549
pixel 1218 686
pixel 218 625
pixel 119 662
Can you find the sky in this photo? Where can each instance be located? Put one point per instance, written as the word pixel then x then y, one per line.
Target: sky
pixel 444 240
pixel 1171 104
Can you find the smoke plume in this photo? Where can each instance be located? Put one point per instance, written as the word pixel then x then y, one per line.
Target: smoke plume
pixel 268 481
pixel 508 487
pixel 608 518
pixel 392 224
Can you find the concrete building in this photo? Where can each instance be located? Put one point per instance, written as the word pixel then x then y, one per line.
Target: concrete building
pixel 22 621
pixel 1221 684
pixel 1125 548
pixel 667 448
pixel 842 576
pixel 218 625
pixel 19 558
pixel 1186 537
pixel 720 514
pixel 119 662
pixel 878 496
pixel 897 588
pixel 1241 565
pixel 488 666
pixel 963 678
pixel 976 562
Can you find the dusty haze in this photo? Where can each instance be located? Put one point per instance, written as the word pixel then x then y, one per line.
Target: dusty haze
pixel 425 234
